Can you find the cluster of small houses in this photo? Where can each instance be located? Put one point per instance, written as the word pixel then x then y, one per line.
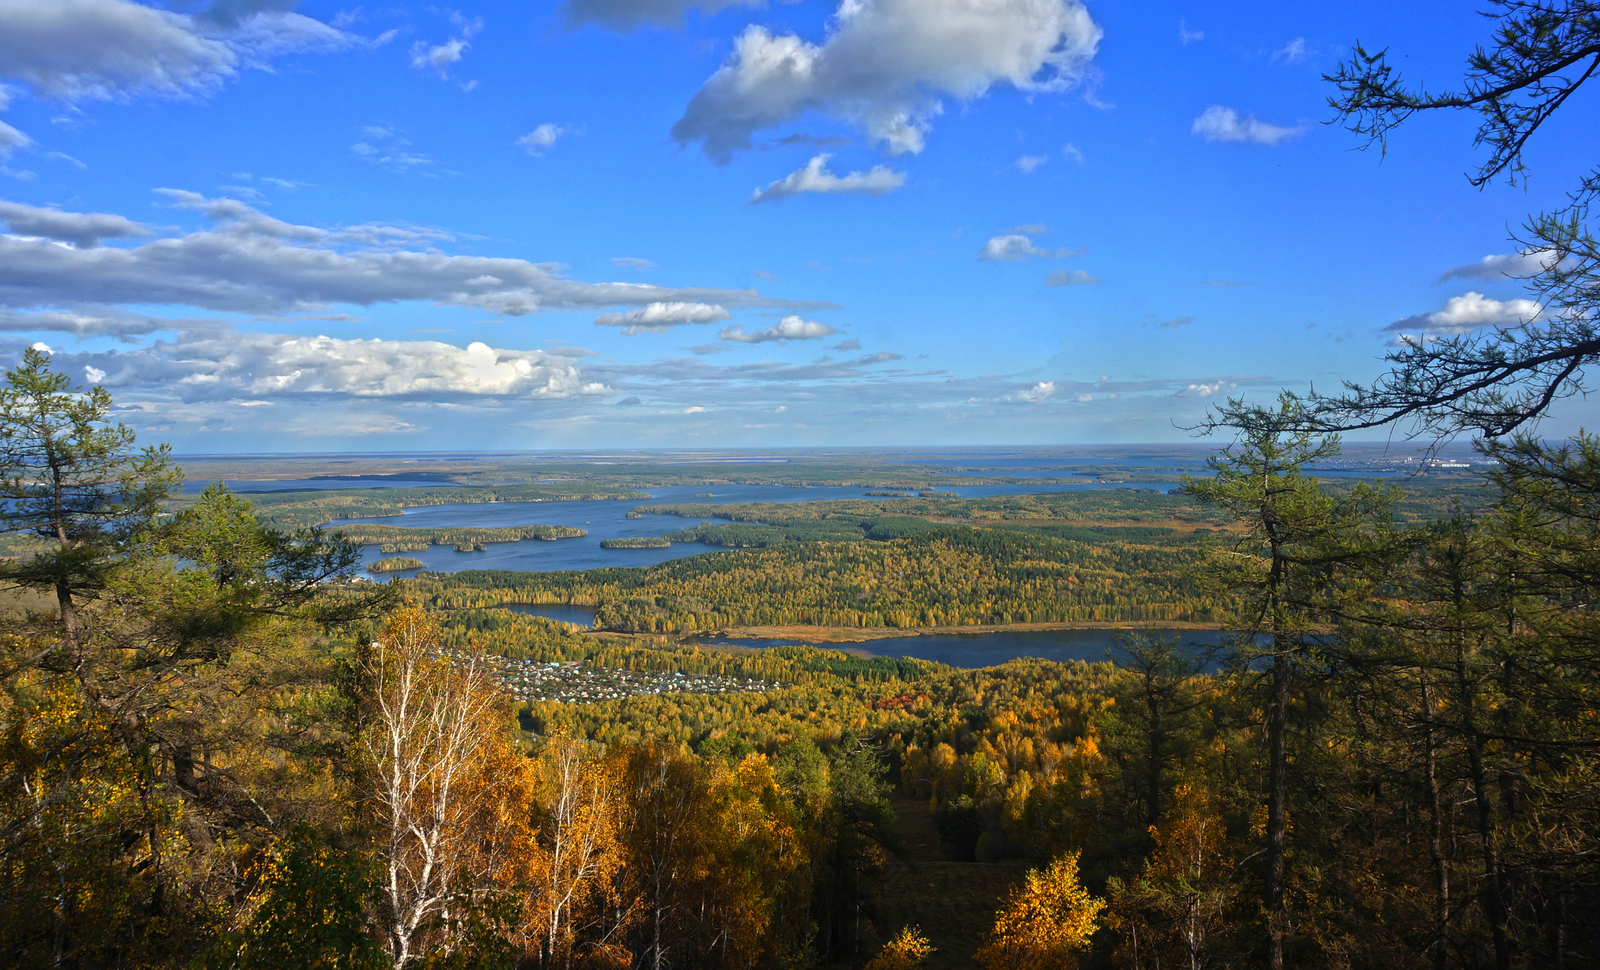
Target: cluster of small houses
pixel 580 683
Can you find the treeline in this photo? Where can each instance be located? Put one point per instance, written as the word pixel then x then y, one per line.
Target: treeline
pixel 1115 508
pixel 746 535
pixel 300 510
pixel 369 534
pixel 1100 506
pixel 942 577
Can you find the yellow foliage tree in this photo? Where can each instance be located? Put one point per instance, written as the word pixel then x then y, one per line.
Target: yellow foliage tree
pixel 1179 902
pixel 1043 922
pixel 905 952
pixel 446 787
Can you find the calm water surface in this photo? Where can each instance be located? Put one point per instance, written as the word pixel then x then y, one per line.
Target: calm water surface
pixel 608 520
pixel 972 650
pixel 969 650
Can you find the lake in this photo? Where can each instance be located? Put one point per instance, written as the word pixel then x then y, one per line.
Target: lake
pixel 972 650
pixel 968 650
pixel 608 520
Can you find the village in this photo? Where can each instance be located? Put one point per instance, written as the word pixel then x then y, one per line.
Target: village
pixel 577 682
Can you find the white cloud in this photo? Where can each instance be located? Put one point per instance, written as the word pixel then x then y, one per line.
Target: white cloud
pixel 11 139
pixel 541 138
pixel 1207 390
pixel 1187 36
pixel 81 229
pixel 1218 123
pixel 815 177
pixel 438 57
pixel 94 374
pixel 851 344
pixel 390 150
pixel 1028 164
pixel 789 328
pixel 625 15
pixel 632 262
pixel 1293 52
pixel 1071 151
pixel 1070 277
pixel 694 410
pixel 886 64
pixel 1012 247
pixel 72 50
pixel 661 317
pixel 1520 265
pixel 1466 313
pixel 220 364
pixel 1041 391
pixel 252 263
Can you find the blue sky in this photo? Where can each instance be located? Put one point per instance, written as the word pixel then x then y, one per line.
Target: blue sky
pixel 279 226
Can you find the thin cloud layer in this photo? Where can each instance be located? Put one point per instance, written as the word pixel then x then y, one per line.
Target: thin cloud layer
pixel 82 229
pixel 884 67
pixel 84 323
pixel 815 178
pixel 1070 277
pixel 625 15
pixel 661 317
pixel 249 262
pixel 789 328
pixel 72 50
pixel 1223 124
pixel 11 139
pixel 1207 390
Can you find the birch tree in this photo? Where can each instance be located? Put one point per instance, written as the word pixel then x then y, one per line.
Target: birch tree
pixel 444 782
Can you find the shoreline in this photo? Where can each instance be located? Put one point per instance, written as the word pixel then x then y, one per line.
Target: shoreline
pixel 840 634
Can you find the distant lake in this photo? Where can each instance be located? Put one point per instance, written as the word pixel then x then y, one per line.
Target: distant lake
pixel 608 520
pixel 966 650
pixel 257 487
pixel 973 650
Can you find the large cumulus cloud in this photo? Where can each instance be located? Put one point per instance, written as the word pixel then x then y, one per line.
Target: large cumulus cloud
pixel 218 363
pixel 886 64
pixel 1463 314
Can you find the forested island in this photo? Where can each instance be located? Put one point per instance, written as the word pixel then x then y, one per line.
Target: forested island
pixel 639 542
pixel 394 565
